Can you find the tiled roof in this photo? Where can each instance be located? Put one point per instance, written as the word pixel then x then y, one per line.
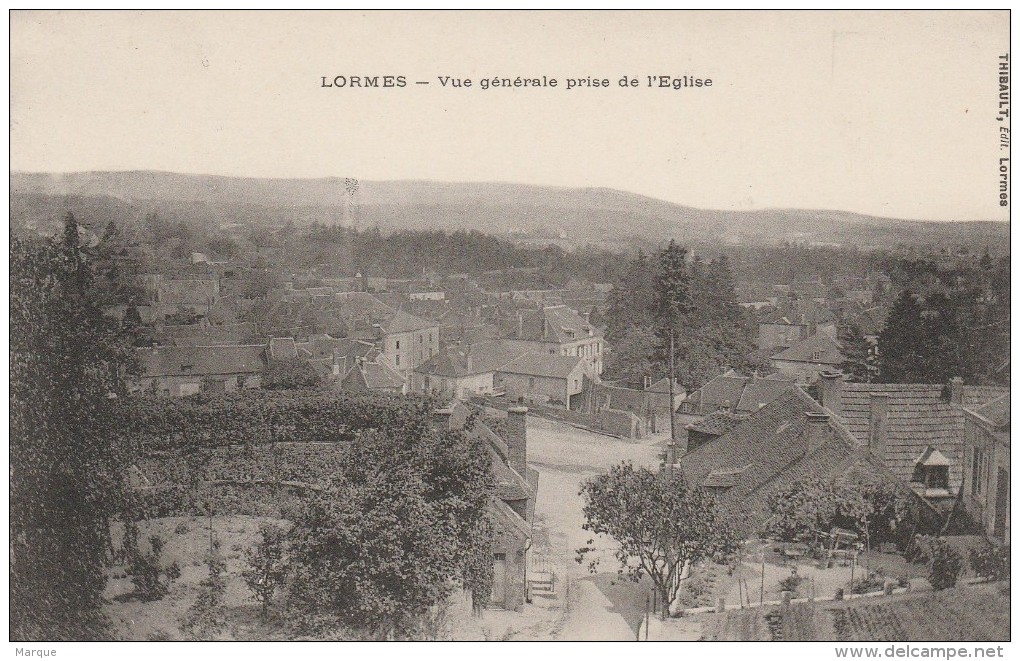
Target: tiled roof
pixel 561 324
pixel 976 396
pixel 404 322
pixel 804 351
pixel 380 376
pixel 662 385
pixel 759 391
pixel 539 364
pixel 716 424
pixel 769 451
pixel 186 361
pixel 722 390
pixel 282 348
pixel 996 411
pixel 918 415
pixel 482 357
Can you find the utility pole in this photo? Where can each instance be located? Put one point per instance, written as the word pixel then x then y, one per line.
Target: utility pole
pixel 672 377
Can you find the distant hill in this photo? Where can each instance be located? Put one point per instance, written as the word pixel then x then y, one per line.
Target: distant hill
pixel 585 215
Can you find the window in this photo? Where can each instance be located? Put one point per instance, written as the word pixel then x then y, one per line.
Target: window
pixel 936 477
pixel 430 338
pixel 977 461
pixel 421 339
pixel 816 355
pixel 398 344
pixel 499 556
pixel 531 382
pixel 397 360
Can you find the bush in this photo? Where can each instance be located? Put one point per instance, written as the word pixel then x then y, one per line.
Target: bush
pixel 873 582
pixel 151 580
pixel 182 528
pixel 204 620
pixel 990 562
pixel 791 583
pixel 946 565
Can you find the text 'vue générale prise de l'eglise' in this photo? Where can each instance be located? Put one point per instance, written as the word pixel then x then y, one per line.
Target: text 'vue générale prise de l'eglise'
pixel 657 81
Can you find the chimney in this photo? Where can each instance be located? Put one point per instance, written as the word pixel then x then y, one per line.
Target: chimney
pixel 878 423
pixel 956 391
pixel 725 406
pixel 517 439
pixel 831 386
pixel 817 430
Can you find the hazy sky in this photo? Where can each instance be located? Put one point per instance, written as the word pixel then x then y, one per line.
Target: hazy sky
pixel 884 113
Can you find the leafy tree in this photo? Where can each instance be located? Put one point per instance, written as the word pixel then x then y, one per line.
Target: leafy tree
pixel 875 510
pixel 401 524
pixel 150 578
pixel 662 526
pixel 205 619
pixel 634 356
pixel 290 374
pixel 64 477
pixel 267 565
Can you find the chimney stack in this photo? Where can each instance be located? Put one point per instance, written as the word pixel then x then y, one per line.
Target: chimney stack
pixel 517 439
pixel 956 391
pixel 879 422
pixel 817 430
pixel 831 386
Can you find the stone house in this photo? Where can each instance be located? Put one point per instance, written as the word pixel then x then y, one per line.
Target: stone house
pixel 512 511
pixel 180 371
pixel 556 380
pixel 407 342
pixel 559 331
pixel 986 465
pixel 810 357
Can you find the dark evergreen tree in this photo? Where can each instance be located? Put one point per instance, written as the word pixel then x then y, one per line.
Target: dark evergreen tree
pixel 901 344
pixel 860 362
pixel 64 477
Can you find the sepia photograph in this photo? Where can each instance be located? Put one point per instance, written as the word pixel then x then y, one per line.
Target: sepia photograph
pixel 549 326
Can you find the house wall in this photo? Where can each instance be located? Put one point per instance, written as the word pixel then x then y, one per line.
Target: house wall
pixel 512 546
pixel 984 458
pixel 460 387
pixel 406 351
pixel 589 348
pixel 191 384
pixel 805 372
pixel 554 390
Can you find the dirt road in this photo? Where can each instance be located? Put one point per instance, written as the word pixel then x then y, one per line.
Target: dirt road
pixel 587 606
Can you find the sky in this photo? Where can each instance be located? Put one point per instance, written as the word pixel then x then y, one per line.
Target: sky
pixel 891 114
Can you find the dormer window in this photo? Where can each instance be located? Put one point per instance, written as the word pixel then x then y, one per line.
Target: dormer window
pixel 932 470
pixel 816 355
